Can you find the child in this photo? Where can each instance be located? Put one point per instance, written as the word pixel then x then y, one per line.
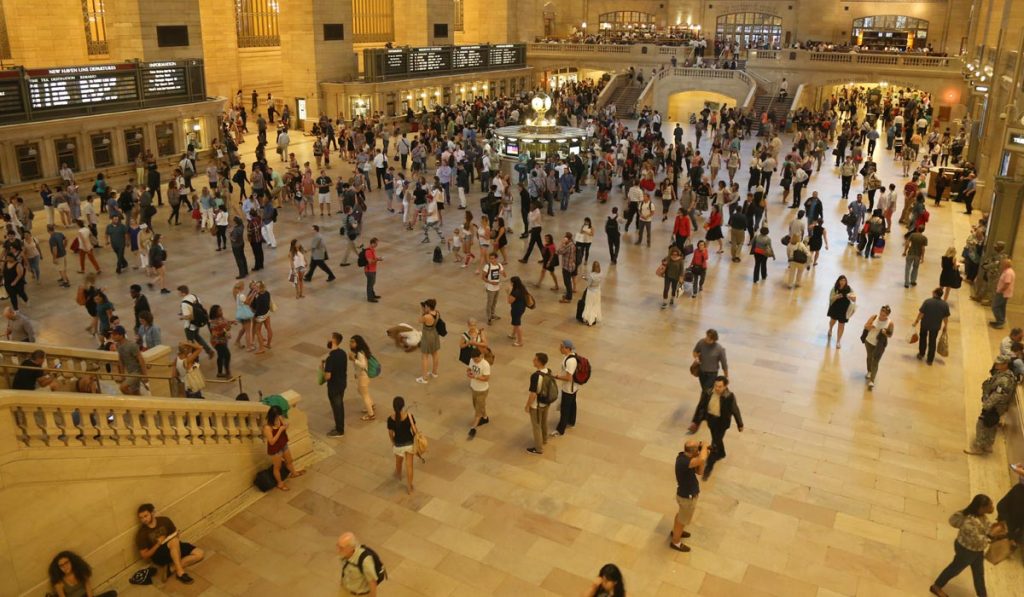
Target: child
pixel 455 244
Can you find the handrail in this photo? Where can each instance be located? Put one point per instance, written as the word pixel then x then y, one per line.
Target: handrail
pixel 797 97
pixel 642 99
pixel 613 85
pixel 78 361
pixel 110 375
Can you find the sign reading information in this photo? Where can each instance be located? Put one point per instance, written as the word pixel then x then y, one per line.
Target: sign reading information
pixel 405 63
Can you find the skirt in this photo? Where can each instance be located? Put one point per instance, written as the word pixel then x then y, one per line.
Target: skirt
pixel 839 309
pixel 430 341
pixel 714 233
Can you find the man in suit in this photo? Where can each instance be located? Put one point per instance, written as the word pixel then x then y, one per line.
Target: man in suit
pixel 318 256
pixel 718 407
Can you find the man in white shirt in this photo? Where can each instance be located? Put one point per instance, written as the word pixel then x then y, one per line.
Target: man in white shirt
pixel 798 228
pixel 492 273
pixel 479 373
pixel 645 213
pixel 485 174
pixel 635 195
pixel 433 220
pixel 187 316
pixel 568 388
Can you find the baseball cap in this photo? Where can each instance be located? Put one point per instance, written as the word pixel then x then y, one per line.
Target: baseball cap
pixel 568 344
pixel 119 330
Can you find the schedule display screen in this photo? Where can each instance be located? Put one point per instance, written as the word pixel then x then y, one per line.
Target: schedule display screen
pixel 66 87
pixel 404 63
pixel 10 94
pixel 164 79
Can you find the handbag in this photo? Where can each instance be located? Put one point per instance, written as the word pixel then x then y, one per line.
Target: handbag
pixel 194 380
pixel 943 345
pixel 321 378
pixel 420 443
pixel 999 550
pixel 695 369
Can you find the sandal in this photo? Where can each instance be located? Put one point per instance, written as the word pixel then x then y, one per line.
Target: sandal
pixel 299 473
pixel 368 417
pixel 283 487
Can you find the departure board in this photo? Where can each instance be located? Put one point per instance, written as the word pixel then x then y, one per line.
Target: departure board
pixel 11 103
pixel 68 87
pixel 429 59
pixel 399 63
pixel 164 79
pixel 469 57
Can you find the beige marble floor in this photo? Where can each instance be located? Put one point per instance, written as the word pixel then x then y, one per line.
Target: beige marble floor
pixel 830 490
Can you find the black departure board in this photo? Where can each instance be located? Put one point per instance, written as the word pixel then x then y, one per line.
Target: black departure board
pixel 469 57
pixel 164 79
pixel 11 102
pixel 399 63
pixel 423 60
pixel 68 87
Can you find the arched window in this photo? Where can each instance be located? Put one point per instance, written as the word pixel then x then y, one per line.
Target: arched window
pixel 257 23
pixel 373 20
pixel 751 29
pixel 95 15
pixel 549 19
pixel 889 31
pixel 625 19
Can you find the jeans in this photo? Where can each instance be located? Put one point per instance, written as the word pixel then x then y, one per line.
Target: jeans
pixel 567 412
pixel 873 356
pixel 928 340
pixel 539 423
pixel 564 200
pixel 122 263
pixel 846 186
pixel 707 379
pixel 613 246
pixel 870 245
pixel 760 267
pixel 717 426
pixel 222 237
pixel 669 289
pixel 567 280
pixel 640 227
pixel 223 358
pixel 910 270
pixel 371 279
pixel 337 400
pixel 962 558
pixel 999 308
pixel 194 336
pixel 322 264
pixel 534 240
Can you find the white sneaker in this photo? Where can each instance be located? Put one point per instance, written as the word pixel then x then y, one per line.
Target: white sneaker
pixel 421 380
pixel 871 385
pixel 434 375
pixel 867 376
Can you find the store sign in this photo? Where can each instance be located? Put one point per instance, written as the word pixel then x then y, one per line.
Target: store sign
pixel 1015 140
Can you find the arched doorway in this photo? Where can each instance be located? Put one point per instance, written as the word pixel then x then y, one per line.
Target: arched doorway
pixel 684 103
pixel 889 31
pixel 626 20
pixel 751 30
pixel 549 19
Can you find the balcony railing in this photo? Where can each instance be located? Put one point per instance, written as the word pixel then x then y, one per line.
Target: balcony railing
pixel 765 57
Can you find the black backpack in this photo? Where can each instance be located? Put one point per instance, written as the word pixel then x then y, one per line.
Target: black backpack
pixel 611 226
pixel 438 255
pixel 265 481
pixel 200 318
pixel 378 566
pixel 362 261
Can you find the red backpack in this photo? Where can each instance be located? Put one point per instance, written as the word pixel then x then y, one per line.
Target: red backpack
pixel 582 373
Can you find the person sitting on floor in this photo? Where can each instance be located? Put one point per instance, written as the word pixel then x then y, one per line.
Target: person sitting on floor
pixel 158 540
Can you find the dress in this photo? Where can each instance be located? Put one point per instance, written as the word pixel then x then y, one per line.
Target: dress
pixel 815 241
pixel 714 227
pixel 839 304
pixel 518 307
pixel 430 342
pixel 592 307
pixel 950 276
pixel 242 311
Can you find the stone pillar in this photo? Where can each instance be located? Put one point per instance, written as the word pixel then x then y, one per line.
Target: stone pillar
pixel 220 45
pixel 306 58
pixel 415 23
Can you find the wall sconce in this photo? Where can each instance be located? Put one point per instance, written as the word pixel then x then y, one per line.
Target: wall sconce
pixel 423 95
pixel 437 94
pixel 485 86
pixel 196 127
pixel 138 136
pixel 32 152
pixel 69 147
pixel 463 90
pixel 474 88
pixel 105 141
pixel 409 97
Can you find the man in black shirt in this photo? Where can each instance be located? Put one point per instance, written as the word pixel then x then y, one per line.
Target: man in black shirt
pixel 29 376
pixel 933 317
pixel 335 374
pixel 140 303
pixel 689 464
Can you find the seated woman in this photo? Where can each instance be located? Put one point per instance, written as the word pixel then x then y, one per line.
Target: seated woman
pixel 70 576
pixel 405 336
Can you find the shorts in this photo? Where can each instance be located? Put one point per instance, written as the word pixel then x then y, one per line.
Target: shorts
pixel 687 506
pixel 324 198
pixel 480 403
pixel 162 557
pixel 403 450
pixel 281 451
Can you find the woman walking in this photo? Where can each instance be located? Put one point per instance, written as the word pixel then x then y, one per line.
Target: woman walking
pixel 592 301
pixel 761 248
pixel 549 262
pixel 361 357
pixel 671 270
pixel 402 431
pixel 71 576
pixel 14 279
pixel 430 341
pixel 950 276
pixel 817 235
pixel 698 267
pixel 971 541
pixel 296 275
pixel 275 431
pixel 714 227
pixel 877 331
pixel 157 263
pixel 501 239
pixel 519 299
pixel 842 302
pixel 798 254
pixel 220 337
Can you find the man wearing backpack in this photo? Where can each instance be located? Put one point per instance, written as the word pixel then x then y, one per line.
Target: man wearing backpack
pixel 368 259
pixel 568 387
pixel 195 317
pixel 543 392
pixel 361 567
pixel 351 229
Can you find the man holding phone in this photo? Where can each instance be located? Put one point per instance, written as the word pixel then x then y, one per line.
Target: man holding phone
pixel 689 464
pixel 158 540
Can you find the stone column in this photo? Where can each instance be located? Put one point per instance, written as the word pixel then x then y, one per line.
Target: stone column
pixel 306 59
pixel 415 22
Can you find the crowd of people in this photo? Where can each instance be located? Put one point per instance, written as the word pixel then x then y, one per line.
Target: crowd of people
pixel 427 174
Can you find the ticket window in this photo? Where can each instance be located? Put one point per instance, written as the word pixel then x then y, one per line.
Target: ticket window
pixel 360 107
pixel 165 145
pixel 134 143
pixel 67 153
pixel 389 104
pixel 194 134
pixel 29 162
pixel 102 150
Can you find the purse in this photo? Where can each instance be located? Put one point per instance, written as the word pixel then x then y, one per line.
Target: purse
pixel 695 369
pixel 194 380
pixel 420 443
pixel 999 550
pixel 943 345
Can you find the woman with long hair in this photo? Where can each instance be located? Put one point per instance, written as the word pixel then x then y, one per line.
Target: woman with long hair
pixel 297 266
pixel 261 303
pixel 360 355
pixel 188 357
pixel 583 239
pixel 220 337
pixel 430 340
pixel 969 547
pixel 402 431
pixel 841 304
pixel 950 276
pixel 243 315
pixel 592 295
pixel 501 239
pixel 484 234
pixel 609 583
pixel 71 576
pixel 519 299
pixel 275 431
pixel 549 262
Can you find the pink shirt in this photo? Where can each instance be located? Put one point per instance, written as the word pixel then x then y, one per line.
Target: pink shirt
pixel 1005 284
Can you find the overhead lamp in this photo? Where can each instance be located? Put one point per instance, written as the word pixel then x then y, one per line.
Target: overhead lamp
pixel 105 141
pixel 196 127
pixel 69 146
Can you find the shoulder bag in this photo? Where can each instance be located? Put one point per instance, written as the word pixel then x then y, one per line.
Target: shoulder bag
pixel 419 441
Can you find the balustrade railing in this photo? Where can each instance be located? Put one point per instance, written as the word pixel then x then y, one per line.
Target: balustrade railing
pixel 76 363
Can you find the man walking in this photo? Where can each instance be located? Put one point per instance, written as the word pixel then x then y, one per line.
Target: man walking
pixel 318 256
pixel 689 464
pixel 718 407
pixel 933 317
pixel 117 238
pixel 543 392
pixel 913 252
pixel 567 256
pixel 359 575
pixel 194 319
pixel 568 388
pixel 710 355
pixel 1003 292
pixel 335 375
pixel 370 269
pixel 479 373
pixel 351 228
pixel 492 273
pixel 237 238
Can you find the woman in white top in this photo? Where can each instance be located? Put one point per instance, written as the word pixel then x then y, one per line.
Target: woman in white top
pixel 243 315
pixel 360 355
pixel 584 238
pixel 877 331
pixel 85 248
pixel 483 238
pixel 298 267
pixel 188 357
pixel 592 306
